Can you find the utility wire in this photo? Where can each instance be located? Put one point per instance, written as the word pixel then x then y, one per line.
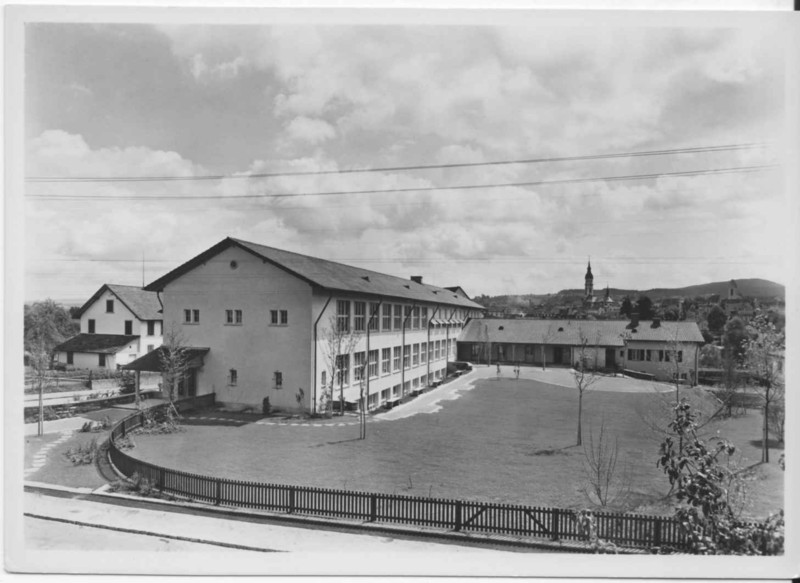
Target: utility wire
pixel 695 150
pixel 713 171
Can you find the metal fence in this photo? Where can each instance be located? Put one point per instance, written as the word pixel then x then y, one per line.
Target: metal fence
pixel 632 530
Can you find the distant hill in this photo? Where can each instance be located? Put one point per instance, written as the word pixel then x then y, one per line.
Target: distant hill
pixel 753 288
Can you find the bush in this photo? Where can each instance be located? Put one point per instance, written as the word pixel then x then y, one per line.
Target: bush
pixel 127 383
pixel 84 453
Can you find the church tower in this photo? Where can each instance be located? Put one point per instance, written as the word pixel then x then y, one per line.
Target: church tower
pixel 589 281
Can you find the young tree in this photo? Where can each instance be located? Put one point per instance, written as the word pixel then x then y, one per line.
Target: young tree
pixel 174 359
pixel 735 338
pixel 584 375
pixel 338 342
pixel 626 309
pixel 606 481
pixel 763 356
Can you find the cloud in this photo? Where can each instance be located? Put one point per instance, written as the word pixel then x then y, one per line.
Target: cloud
pixel 311 131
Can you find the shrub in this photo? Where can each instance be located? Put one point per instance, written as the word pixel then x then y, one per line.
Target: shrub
pixel 84 453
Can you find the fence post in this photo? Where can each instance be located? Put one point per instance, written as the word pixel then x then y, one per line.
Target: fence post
pixel 218 496
pixel 373 507
pixel 556 525
pixel 657 533
pixel 291 499
pixel 459 511
pixel 160 479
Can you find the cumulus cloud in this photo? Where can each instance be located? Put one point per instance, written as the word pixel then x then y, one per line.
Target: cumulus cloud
pixel 311 131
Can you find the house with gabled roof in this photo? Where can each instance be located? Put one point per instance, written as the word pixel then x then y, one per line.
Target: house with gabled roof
pixel 118 324
pixel 260 320
pixel 651 348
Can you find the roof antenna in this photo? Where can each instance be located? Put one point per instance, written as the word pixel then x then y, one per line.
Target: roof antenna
pixel 143 269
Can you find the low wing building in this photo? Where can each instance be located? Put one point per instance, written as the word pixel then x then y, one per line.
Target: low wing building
pixel 652 349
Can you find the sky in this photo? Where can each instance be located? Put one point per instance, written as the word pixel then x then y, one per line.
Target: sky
pixel 156 101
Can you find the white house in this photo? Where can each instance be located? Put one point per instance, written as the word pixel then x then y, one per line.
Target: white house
pixel 119 323
pixel 260 321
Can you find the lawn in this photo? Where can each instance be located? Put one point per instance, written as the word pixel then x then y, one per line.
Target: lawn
pixel 504 440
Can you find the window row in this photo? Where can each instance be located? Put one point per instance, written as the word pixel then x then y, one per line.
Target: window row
pixel 361 316
pixel 234 317
pixel 647 355
pixel 152 329
pixel 233 378
pixel 366 365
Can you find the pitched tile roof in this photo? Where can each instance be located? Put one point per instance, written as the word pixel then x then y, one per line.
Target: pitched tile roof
pixel 329 275
pixel 144 304
pixel 568 332
pixel 152 360
pixel 97 343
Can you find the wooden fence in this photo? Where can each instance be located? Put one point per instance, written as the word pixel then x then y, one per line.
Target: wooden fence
pixel 631 530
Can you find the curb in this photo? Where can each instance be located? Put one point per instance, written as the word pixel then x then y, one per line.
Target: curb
pixel 102 494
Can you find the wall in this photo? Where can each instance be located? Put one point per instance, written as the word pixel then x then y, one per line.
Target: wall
pixel 415 377
pixel 663 371
pixel 255 349
pixel 114 323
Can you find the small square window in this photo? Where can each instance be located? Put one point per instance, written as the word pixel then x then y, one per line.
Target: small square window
pixel 196 316
pixel 284 317
pixel 237 316
pixel 278 379
pixel 233 377
pixel 187 316
pixel 273 317
pixel 229 316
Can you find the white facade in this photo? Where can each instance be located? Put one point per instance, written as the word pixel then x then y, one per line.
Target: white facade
pixel 94 360
pixel 267 334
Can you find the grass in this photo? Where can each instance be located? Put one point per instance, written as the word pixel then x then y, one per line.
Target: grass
pixel 504 441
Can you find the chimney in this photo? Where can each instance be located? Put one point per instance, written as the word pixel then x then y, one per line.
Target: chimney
pixel 416 278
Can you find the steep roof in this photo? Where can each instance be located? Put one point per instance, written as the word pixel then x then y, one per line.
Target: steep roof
pixel 153 362
pixel 328 275
pixel 98 343
pixel 568 332
pixel 144 304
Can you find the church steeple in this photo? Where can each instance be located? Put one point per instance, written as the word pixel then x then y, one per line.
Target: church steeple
pixel 589 280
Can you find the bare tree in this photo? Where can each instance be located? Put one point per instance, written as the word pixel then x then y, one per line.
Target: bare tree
pixel 174 357
pixel 764 357
pixel 338 342
pixel 606 480
pixel 39 361
pixel 584 375
pixel 548 336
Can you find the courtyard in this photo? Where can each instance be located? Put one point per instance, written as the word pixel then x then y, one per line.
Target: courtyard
pixel 479 438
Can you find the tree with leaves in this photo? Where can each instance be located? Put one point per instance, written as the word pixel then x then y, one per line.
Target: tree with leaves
pixel 764 352
pixel 584 376
pixel 708 488
pixel 735 338
pixel 626 309
pixel 47 324
pixel 716 319
pixel 644 305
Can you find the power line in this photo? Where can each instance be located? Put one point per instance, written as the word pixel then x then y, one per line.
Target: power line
pixel 712 171
pixel 694 150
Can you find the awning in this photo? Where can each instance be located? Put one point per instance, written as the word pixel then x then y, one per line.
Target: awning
pixel 152 361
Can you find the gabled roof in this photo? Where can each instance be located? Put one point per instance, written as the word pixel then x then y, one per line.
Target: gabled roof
pixel 97 343
pixel 153 362
pixel 144 304
pixel 326 274
pixel 568 332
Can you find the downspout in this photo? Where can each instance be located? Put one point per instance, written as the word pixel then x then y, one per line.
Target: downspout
pixel 447 340
pixel 314 398
pixel 403 352
pixel 428 347
pixel 369 326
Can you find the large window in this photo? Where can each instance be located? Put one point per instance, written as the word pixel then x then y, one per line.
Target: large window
pixel 415 355
pixel 343 369
pixel 279 317
pixel 396 359
pixel 101 360
pixel 423 317
pixel 387 317
pixel 359 311
pixel 386 361
pixel 233 317
pixel 415 318
pixel 374 318
pixel 407 316
pixel 359 359
pixel 373 364
pixel 343 315
pixel 151 327
pixel 128 327
pixel 398 316
pixel 406 356
pixel 90 323
pixel 191 316
pixel 423 353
